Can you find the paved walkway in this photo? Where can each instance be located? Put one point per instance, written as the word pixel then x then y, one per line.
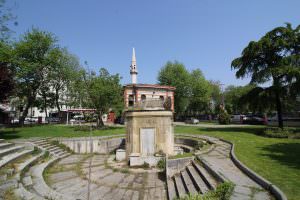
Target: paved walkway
pixel 71 179
pixel 219 160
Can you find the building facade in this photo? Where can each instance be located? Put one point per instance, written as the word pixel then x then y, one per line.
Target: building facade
pixel 135 94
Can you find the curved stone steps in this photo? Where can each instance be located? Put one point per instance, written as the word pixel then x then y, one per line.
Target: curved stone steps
pixel 210 181
pixel 189 185
pixel 25 194
pixel 180 189
pixel 9 150
pixel 5 145
pixel 39 185
pixel 26 164
pixel 13 156
pixel 46 145
pixel 192 179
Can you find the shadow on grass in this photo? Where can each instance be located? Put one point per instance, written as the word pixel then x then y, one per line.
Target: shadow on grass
pixel 9 134
pixel 285 153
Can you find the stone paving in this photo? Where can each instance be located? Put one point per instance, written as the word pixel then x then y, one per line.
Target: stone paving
pixel 219 160
pixel 71 179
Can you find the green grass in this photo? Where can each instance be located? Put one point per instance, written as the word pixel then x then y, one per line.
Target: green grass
pixel 55 131
pixel 184 155
pixel 277 160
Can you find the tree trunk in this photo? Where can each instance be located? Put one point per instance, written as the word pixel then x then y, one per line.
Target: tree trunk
pixel 100 121
pixel 56 100
pixel 279 109
pixel 45 105
pixel 25 111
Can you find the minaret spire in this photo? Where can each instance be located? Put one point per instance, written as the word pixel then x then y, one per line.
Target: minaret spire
pixel 133 68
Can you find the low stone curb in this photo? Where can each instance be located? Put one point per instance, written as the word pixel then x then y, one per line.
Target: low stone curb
pixel 42 187
pixel 26 164
pixel 257 178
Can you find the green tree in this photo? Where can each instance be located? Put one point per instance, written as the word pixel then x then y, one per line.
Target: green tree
pixel 64 70
pixel 200 93
pixel 274 58
pixel 31 61
pixel 105 92
pixel 216 98
pixel 233 98
pixel 7 82
pixel 175 74
pixel 77 94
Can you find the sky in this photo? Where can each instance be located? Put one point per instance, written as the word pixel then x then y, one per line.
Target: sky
pixel 204 34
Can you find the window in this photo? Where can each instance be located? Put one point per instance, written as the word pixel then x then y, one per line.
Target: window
pixel 130 100
pixel 143 97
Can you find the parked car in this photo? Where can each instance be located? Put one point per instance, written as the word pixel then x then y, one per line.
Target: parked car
pixel 237 118
pixel 192 121
pixel 31 120
pixel 255 119
pixel 52 119
pixel 14 121
pixel 119 120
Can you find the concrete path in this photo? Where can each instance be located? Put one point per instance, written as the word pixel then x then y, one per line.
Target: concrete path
pixel 219 160
pixel 72 180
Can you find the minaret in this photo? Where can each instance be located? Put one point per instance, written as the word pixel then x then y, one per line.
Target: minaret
pixel 133 68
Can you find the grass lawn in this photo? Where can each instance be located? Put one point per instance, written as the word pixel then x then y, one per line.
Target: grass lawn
pixel 55 131
pixel 277 160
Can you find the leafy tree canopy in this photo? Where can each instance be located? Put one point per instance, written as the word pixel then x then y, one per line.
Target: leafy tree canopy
pixel 104 92
pixel 274 59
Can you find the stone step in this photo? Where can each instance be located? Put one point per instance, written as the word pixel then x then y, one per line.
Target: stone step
pixel 5 145
pixel 25 164
pixel 27 181
pixel 206 176
pixel 53 149
pixel 2 140
pixel 13 156
pixel 7 151
pixel 46 145
pixel 171 189
pixel 197 180
pixel 63 154
pixel 39 185
pixel 41 142
pixel 181 192
pixel 25 194
pixel 188 183
pixel 8 184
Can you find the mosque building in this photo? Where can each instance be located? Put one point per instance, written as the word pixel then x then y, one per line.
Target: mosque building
pixel 136 93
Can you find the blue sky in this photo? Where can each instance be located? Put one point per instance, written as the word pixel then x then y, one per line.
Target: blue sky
pixel 205 34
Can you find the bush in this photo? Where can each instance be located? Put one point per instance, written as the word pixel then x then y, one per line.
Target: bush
pixel 146 165
pixel 35 151
pixel 277 133
pixel 199 145
pixel 161 164
pixel 82 128
pixel 224 117
pixel 223 192
pixel 46 155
